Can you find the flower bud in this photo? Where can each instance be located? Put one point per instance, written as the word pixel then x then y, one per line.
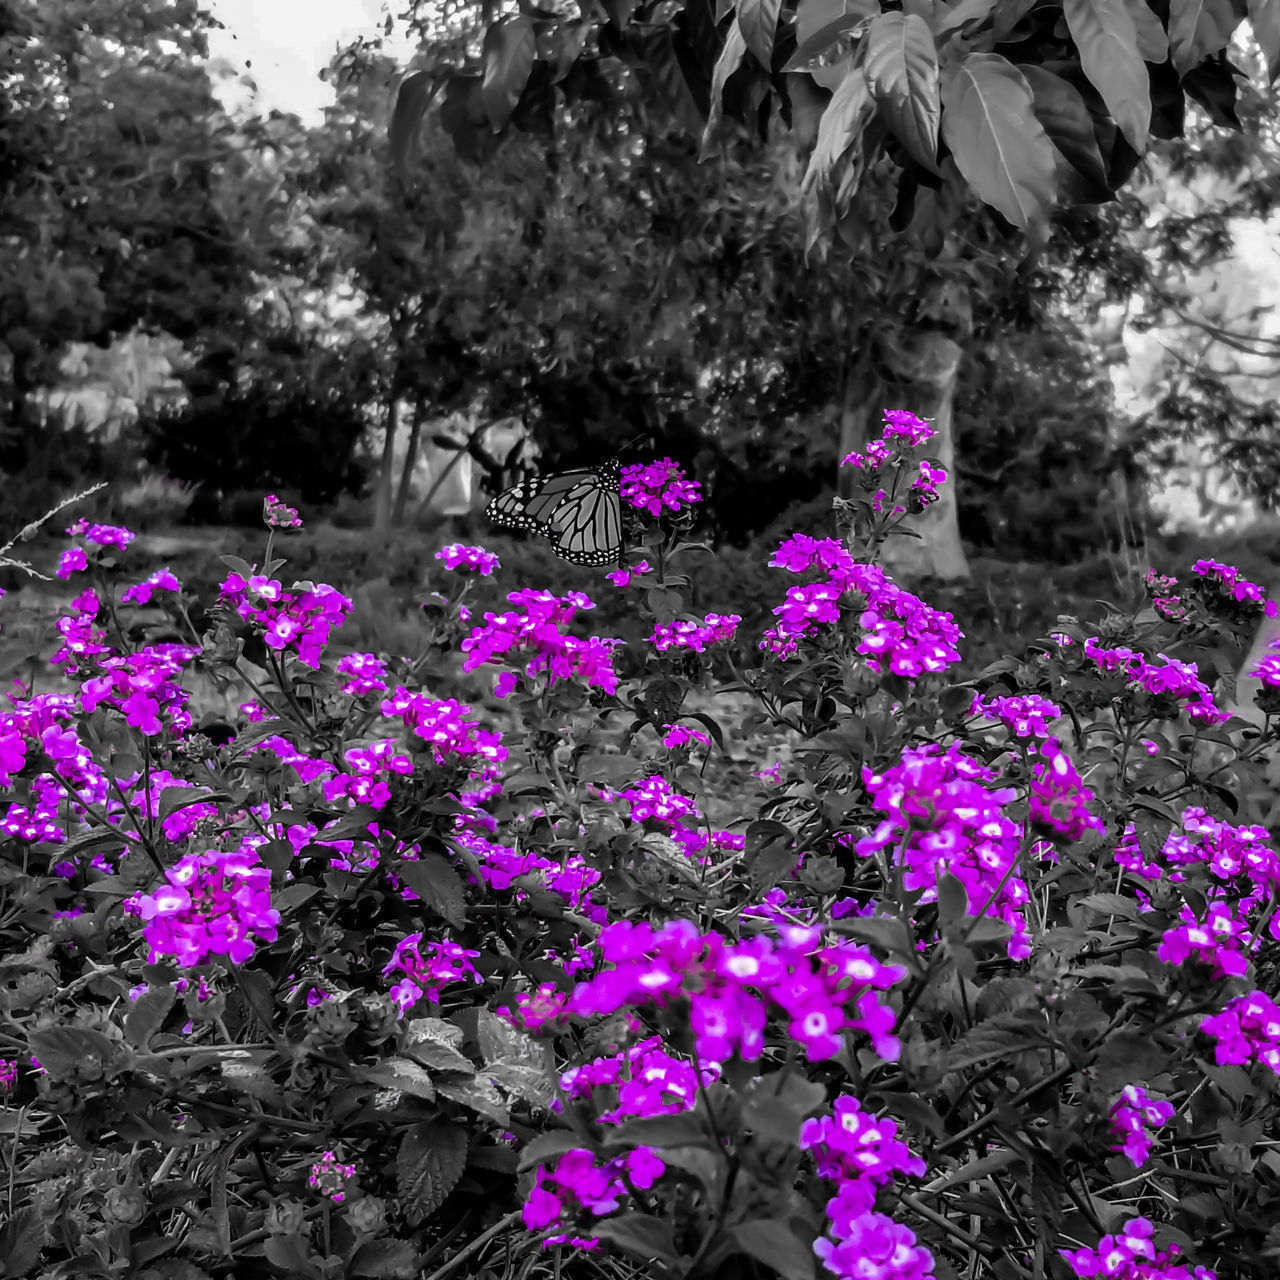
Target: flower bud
pixel 285 1217
pixel 822 874
pixel 366 1216
pixel 330 1022
pixel 378 1017
pixel 125 1205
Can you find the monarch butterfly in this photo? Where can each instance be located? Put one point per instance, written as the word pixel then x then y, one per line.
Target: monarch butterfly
pixel 578 512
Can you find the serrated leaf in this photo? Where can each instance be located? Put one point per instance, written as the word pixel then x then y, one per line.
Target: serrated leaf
pixel 292 1254
pixel 1107 41
pixel 293 895
pixel 1111 904
pixel 479 1095
pixel 147 1015
pixel 520 1080
pixel 251 1078
pixel 999 1037
pixel 509 49
pixel 400 1073
pixel 639 1235
pixel 429 1163
pixel 437 1030
pixel 999 146
pixel 975 1170
pixel 902 70
pixel 439 1057
pixel 61 1049
pixel 773 1242
pixel 438 885
pixel 22 1238
pixel 385 1260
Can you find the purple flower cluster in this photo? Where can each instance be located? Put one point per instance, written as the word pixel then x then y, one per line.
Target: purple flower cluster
pixel 464 559
pixel 681 633
pixel 1131 1255
pixel 1169 677
pixel 679 735
pixel 572 881
pixel 535 641
pixel 330 1178
pixel 427 968
pixel 622 578
pixel 900 631
pixel 1134 1115
pixel 300 623
pixel 211 904
pixel 659 486
pixel 1247 1029
pixel 1059 800
pixel 1227 579
pixel 369 767
pixel 1027 716
pixel 141 593
pixel 8 1072
pixel 276 515
pixel 644 1080
pixel 365 672
pixel 144 687
pixel 903 432
pixel 577 1186
pixel 444 725
pixel 860 1154
pixel 102 535
pixel 729 990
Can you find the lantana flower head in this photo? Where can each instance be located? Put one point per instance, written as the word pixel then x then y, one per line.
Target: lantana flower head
pixel 463 559
pixel 659 487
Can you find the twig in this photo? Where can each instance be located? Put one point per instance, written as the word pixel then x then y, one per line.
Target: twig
pixel 476 1245
pixel 29 531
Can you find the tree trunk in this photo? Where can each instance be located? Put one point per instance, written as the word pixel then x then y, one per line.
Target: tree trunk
pixel 410 459
pixel 926 385
pixel 386 474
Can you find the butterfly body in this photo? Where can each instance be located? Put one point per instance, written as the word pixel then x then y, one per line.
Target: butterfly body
pixel 578 512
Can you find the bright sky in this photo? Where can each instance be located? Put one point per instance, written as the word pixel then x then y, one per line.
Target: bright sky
pixel 288 42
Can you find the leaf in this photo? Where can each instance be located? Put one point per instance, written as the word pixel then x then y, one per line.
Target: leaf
pixel 292 1254
pixel 436 1030
pixel 1062 111
pixel 293 895
pixel 953 900
pixel 429 1163
pixel 772 1241
pixel 61 1049
pixel 975 1170
pixel 727 63
pixel 21 1239
pixel 843 123
pixel 385 1260
pixel 509 49
pixel 547 1146
pixel 439 1057
pixel 901 66
pixel 948 18
pixel 832 42
pixel 1153 44
pixel 1111 904
pixel 147 1016
pixel 414 96
pixel 520 1080
pixel 641 1236
pixel 1264 18
pixel 999 146
pixel 251 1078
pixel 684 1130
pixel 1107 41
pixel 915 1111
pixel 758 22
pixel 1197 30
pixel 402 1074
pixel 1001 1037
pixel 477 1094
pixel 438 885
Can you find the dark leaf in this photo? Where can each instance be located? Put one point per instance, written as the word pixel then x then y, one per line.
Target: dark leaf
pixel 148 1014
pixel 641 1236
pixel 437 884
pixel 509 49
pixel 385 1260
pixel 772 1241
pixel 430 1161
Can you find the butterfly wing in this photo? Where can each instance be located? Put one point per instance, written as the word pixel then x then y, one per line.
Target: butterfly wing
pixel 578 512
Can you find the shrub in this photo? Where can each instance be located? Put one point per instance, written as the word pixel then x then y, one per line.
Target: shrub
pixel 373 984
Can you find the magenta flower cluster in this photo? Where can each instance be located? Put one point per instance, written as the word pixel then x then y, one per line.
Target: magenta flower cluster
pixel 1059 801
pixel 903 432
pixel 330 1177
pixel 1027 716
pixel 463 559
pixel 941 818
pixel 141 593
pixel 299 621
pixel 1135 1115
pixel 102 535
pixel 276 515
pixel 900 633
pixel 369 768
pixel 1247 1029
pixel 1180 680
pixel 860 1154
pixel 364 672
pixel 428 968
pixel 729 990
pixel 533 639
pixel 577 1186
pixel 1131 1254
pixel 644 1080
pixel 443 724
pixel 682 633
pixel 212 905
pixel 658 487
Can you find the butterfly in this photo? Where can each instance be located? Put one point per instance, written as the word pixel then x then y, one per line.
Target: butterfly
pixel 578 512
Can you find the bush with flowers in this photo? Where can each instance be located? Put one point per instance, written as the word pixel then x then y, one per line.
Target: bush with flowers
pixel 383 987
